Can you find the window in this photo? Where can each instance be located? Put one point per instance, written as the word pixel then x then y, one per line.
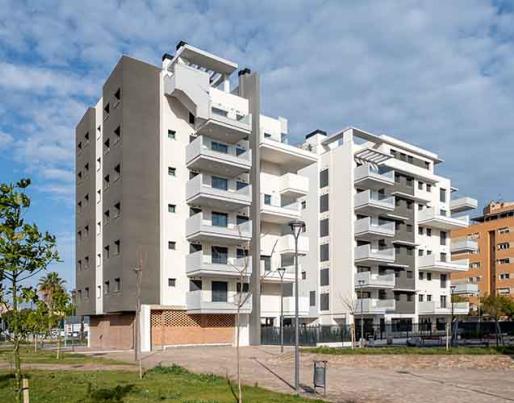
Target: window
pixel 98 163
pixel 191 118
pixel 241 253
pixel 219 183
pixel 107 146
pixel 409 297
pixel 421 252
pixel 107 217
pixel 304 275
pixel 410 274
pixel 429 231
pixel 172 134
pixel 172 282
pixel 420 207
pixel 195 285
pixel 172 245
pixel 324 277
pixel 79 145
pixel 420 185
pixel 429 297
pixel 219 147
pixel 107 181
pixel 409 205
pixel 443 301
pixel 410 181
pixel 79 265
pixel 117 135
pixel 241 219
pixel 86 262
pixel 86 292
pixel 504 276
pixel 427 164
pixel 219 291
pixel 106 287
pixel 421 297
pixel 504 261
pixel 444 280
pixel 219 219
pixel 246 287
pixel 86 167
pixel 429 187
pixel 324 252
pixel 241 185
pixel 117 284
pixel 98 259
pixel 504 230
pixel 79 235
pixel 117 172
pixel 106 252
pixel 409 227
pixel 392 152
pixel 421 275
pixel 267 135
pixel 420 230
pixel 117 248
pixel 312 298
pixel 504 245
pixel 98 291
pixel 397 177
pixel 442 237
pixel 172 208
pixel 323 178
pixel 267 262
pixel 117 94
pixel 117 210
pixel 79 175
pixel 323 203
pixel 98 196
pixel 172 171
pixel 410 159
pixel 267 199
pixel 442 195
pixel 86 231
pixel 219 255
pixel 324 301
pixel 304 204
pixel 429 276
pixel 323 227
pixel 474 265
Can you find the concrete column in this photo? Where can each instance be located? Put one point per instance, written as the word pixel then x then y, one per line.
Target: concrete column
pixel 144 328
pixel 249 88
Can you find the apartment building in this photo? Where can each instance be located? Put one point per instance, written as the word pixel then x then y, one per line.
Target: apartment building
pixel 180 178
pixel 378 222
pixel 488 244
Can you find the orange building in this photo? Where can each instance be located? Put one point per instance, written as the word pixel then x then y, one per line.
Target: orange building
pixel 488 243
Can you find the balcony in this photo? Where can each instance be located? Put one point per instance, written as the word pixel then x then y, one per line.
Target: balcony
pixel 272 210
pixel 205 154
pixel 290 157
pixel 374 306
pixel 270 305
pixel 435 308
pixel 200 229
pixel 365 254
pixel 371 202
pixel 222 126
pixel 434 263
pixel 293 185
pixel 368 229
pixel 465 289
pixel 199 301
pixel 463 204
pixel 199 191
pixel 374 280
pixel 272 276
pixel 463 245
pixel 286 245
pixel 432 217
pixel 200 264
pixel 372 178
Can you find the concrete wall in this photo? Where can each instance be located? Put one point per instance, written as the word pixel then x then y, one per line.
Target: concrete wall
pixel 112 331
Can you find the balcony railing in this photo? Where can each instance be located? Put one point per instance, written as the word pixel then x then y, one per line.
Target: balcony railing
pixel 441 264
pixel 294 185
pixel 438 218
pixel 286 245
pixel 374 199
pixel 463 245
pixel 373 305
pixel 369 174
pixel 200 302
pixel 366 225
pixel 366 252
pixel 199 227
pixel 367 280
pixel 199 263
pixel 200 187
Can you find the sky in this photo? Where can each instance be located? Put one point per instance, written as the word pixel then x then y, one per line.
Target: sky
pixel 438 74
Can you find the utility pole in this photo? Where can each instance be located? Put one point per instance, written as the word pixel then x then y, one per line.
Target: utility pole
pixel 361 339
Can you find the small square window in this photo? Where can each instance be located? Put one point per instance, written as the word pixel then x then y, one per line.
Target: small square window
pixel 117 94
pixel 172 134
pixel 172 171
pixel 304 275
pixel 304 204
pixel 117 134
pixel 172 245
pixel 106 287
pixel 117 248
pixel 117 210
pixel 117 285
pixel 172 208
pixel 172 282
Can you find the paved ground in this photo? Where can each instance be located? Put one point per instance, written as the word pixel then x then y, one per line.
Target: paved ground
pixel 431 379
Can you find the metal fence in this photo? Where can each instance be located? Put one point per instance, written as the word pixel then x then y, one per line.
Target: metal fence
pixel 397 333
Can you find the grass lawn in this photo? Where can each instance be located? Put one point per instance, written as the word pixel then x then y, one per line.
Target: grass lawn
pixel 170 384
pixel 48 357
pixel 411 350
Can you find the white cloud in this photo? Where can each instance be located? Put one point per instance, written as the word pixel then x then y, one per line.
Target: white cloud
pixel 5 140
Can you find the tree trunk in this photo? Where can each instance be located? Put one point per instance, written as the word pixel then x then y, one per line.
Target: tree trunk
pixel 17 361
pixel 239 393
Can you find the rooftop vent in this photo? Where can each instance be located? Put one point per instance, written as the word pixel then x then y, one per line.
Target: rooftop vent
pixel 180 44
pixel 244 71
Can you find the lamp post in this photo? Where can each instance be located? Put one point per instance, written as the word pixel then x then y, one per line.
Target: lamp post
pixel 361 342
pixel 281 272
pixel 297 227
pixel 452 289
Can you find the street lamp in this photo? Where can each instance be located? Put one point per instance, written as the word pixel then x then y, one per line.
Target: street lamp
pixel 452 289
pixel 281 271
pixel 361 341
pixel 297 227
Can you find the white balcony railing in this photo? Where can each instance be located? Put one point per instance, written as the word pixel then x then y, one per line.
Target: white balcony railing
pixel 286 244
pixel 373 305
pixel 367 280
pixel 433 307
pixel 463 245
pixel 200 301
pixel 204 146
pixel 366 252
pixel 199 263
pixel 200 185
pixel 371 198
pixel 438 218
pixel 294 184
pixel 368 173
pixel 435 263
pixel 366 225
pixel 198 225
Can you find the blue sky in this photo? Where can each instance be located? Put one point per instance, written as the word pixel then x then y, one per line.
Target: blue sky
pixel 439 74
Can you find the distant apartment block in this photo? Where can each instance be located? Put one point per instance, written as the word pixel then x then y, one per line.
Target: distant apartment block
pixel 180 175
pixel 488 244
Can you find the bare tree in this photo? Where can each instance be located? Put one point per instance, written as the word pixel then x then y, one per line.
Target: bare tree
pixel 141 257
pixel 350 302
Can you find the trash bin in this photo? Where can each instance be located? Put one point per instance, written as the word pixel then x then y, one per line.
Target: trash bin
pixel 320 375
